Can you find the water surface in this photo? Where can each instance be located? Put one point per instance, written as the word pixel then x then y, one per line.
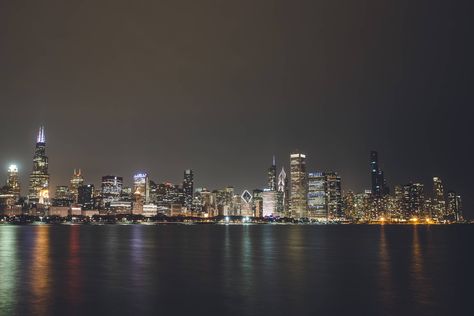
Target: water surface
pixel 236 270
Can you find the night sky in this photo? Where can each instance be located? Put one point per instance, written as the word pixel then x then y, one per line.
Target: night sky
pixel 221 86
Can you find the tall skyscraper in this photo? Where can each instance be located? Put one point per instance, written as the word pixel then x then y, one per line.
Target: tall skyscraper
pixel 13 182
pixel 272 176
pixel 257 203
pixel 269 198
pixel 111 188
pixel 333 195
pixel 317 206
pixel 39 177
pixel 76 181
pixel 283 196
pixel 439 202
pixel 188 188
pixel 141 184
pixel 379 185
pixel 454 209
pixel 413 200
pixel 85 196
pixel 298 198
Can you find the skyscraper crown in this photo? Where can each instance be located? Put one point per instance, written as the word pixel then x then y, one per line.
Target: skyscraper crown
pixel 41 138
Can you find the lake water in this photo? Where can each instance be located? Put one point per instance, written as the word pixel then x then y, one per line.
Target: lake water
pixel 236 270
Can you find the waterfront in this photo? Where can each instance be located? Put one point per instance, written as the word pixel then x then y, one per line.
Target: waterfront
pixel 236 269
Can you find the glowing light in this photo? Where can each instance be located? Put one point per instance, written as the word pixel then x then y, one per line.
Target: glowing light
pixel 13 168
pixel 41 138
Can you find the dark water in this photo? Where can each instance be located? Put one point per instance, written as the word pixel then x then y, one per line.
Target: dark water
pixel 236 270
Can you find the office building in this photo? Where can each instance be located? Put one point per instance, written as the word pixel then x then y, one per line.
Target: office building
pixel 39 178
pixel 317 205
pixel 298 179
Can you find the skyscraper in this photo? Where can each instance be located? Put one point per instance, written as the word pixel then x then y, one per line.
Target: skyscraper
pixel 188 189
pixel 85 196
pixel 76 181
pixel 269 198
pixel 379 185
pixel 111 188
pixel 413 200
pixel 141 184
pixel 272 176
pixel 39 177
pixel 283 196
pixel 298 198
pixel 453 209
pixel 439 202
pixel 13 182
pixel 333 195
pixel 317 206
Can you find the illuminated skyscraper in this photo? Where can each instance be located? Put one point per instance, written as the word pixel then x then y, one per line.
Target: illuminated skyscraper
pixel 141 183
pixel 283 195
pixel 269 198
pixel 13 182
pixel 413 200
pixel 257 203
pixel 76 181
pixel 188 188
pixel 272 176
pixel 454 207
pixel 298 198
pixel 333 195
pixel 439 202
pixel 111 188
pixel 39 177
pixel 317 206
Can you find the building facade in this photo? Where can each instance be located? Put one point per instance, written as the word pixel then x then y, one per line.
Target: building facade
pixel 298 179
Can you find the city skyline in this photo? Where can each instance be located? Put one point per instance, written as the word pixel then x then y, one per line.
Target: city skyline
pixel 314 195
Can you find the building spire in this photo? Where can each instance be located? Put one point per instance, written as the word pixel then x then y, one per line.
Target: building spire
pixel 273 161
pixel 41 138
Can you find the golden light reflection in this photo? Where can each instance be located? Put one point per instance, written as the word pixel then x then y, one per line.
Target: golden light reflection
pixel 40 271
pixel 420 282
pixel 74 265
pixel 385 269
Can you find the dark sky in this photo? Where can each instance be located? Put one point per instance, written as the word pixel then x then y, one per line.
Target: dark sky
pixel 220 86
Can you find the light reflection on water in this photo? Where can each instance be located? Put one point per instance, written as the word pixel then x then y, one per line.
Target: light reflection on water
pixel 40 272
pixel 235 270
pixel 8 269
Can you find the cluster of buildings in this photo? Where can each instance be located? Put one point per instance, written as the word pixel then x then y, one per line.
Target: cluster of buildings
pixel 300 195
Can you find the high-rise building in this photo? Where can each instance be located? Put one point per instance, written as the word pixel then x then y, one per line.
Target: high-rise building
pixel 413 200
pixel 13 182
pixel 188 189
pixel 333 195
pixel 283 196
pixel 257 203
pixel 85 196
pixel 142 185
pixel 348 206
pixel 269 198
pixel 439 203
pixel 298 198
pixel 138 196
pixel 246 203
pixel 39 177
pixel 272 176
pixel 454 207
pixel 379 185
pixel 317 206
pixel 111 188
pixel 76 181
